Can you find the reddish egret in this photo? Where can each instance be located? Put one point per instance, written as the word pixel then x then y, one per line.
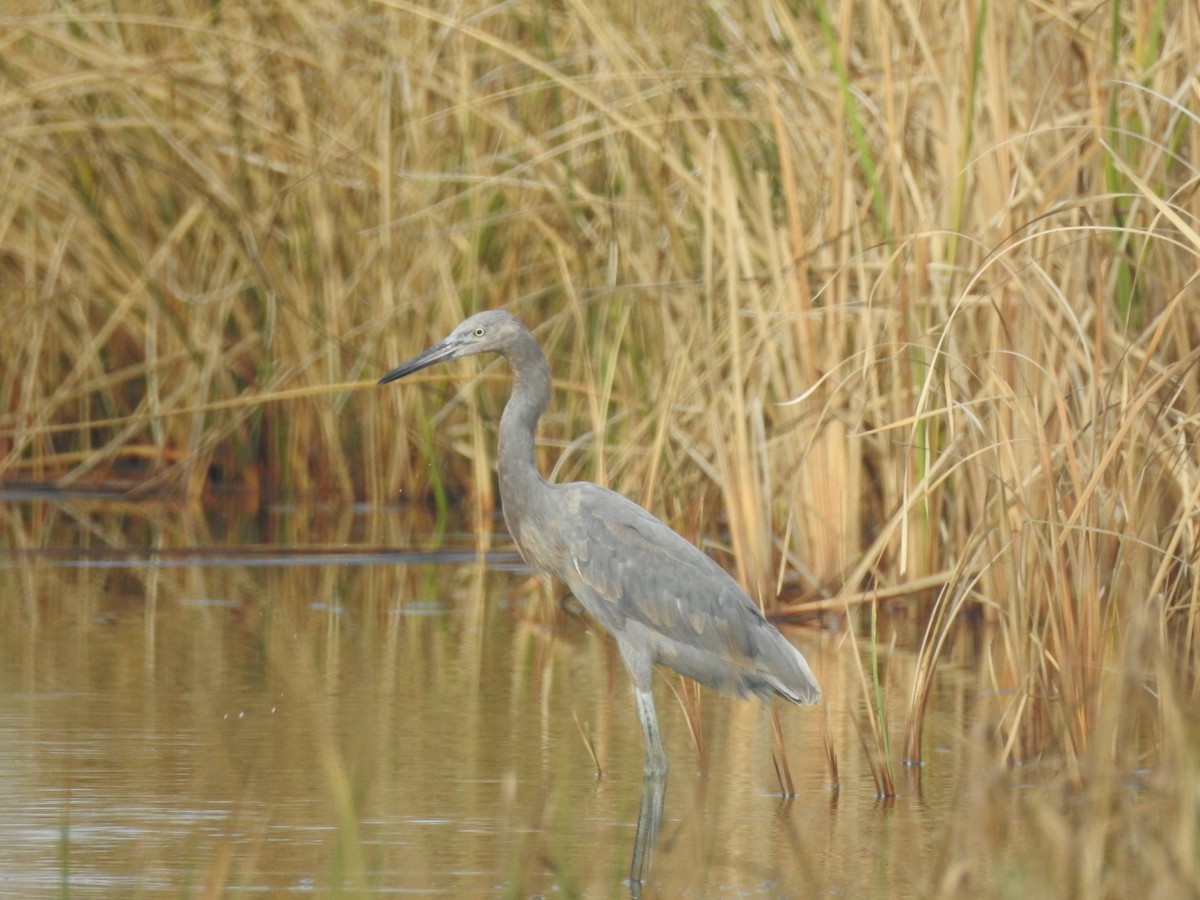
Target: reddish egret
pixel 663 599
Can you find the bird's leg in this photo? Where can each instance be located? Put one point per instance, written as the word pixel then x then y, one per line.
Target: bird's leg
pixel 656 756
pixel 635 653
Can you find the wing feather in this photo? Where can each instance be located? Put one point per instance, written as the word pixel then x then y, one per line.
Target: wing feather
pixel 631 571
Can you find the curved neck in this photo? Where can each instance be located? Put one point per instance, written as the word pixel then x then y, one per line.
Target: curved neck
pixel 519 475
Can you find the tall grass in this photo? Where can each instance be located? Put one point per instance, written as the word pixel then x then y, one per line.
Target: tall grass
pixel 879 304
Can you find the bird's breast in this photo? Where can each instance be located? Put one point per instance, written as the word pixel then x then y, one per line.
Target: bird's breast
pixel 536 538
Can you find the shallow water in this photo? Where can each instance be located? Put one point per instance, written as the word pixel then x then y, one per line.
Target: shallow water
pixel 191 705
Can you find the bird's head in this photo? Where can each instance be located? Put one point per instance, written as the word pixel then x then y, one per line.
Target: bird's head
pixel 485 332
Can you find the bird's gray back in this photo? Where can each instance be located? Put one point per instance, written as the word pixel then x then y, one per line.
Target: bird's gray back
pixel 652 588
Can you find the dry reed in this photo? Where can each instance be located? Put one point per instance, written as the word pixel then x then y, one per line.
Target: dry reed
pixel 920 298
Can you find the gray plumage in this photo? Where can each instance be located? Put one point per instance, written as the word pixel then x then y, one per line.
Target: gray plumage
pixel 661 598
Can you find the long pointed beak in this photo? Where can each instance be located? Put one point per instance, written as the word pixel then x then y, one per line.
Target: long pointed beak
pixel 435 354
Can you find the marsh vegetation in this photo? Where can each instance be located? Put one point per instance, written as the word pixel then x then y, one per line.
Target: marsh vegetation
pixel 893 310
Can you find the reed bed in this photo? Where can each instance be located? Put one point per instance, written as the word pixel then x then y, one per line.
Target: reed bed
pixel 893 306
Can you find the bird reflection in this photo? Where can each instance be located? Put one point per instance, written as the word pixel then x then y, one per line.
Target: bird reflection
pixel 654 789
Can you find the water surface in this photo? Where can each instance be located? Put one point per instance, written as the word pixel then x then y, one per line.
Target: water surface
pixel 317 700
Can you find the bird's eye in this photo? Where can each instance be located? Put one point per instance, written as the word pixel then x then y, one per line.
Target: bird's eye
pixel 479 332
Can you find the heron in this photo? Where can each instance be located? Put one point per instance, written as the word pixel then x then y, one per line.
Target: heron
pixel 661 598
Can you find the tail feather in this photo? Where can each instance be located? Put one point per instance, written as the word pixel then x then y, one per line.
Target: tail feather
pixel 783 670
